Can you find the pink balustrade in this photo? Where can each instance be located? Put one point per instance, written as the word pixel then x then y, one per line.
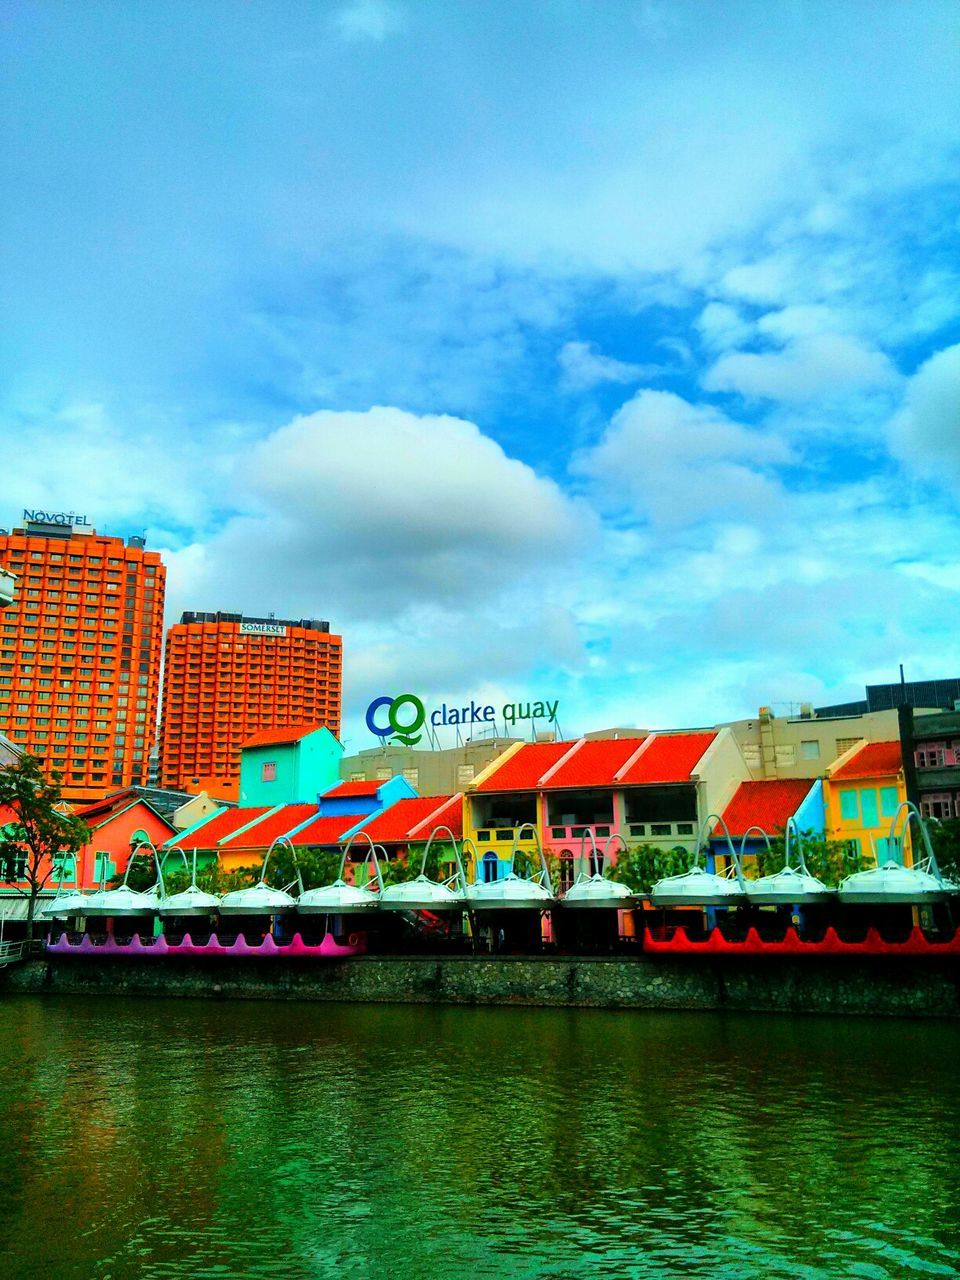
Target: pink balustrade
pixel 328 949
pixel 792 945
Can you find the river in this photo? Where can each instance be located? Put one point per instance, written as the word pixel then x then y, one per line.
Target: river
pixel 173 1139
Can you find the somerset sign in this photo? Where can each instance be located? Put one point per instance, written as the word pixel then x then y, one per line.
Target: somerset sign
pixel 262 629
pixel 406 715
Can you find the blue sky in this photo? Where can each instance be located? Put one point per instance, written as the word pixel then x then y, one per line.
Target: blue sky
pixel 605 352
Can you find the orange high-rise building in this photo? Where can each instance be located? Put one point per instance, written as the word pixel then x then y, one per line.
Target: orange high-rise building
pixel 226 677
pixel 80 652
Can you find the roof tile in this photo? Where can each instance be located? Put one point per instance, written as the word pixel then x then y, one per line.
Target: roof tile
pixel 280 736
pixel 394 825
pixel 671 757
pixel 524 769
pixel 767 804
pixel 873 760
pixel 217 828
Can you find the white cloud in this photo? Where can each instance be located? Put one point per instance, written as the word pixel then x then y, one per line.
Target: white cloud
pixel 679 463
pixel 925 433
pixel 369 20
pixel 808 368
pixel 582 367
pixel 722 326
pixel 381 513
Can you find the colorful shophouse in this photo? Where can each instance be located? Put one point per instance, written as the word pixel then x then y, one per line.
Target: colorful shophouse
pixel 766 806
pixel 240 837
pixel 656 790
pixel 862 792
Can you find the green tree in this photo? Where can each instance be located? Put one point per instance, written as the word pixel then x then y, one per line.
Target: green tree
pixel 828 860
pixel 642 865
pixel 40 836
pixel 945 838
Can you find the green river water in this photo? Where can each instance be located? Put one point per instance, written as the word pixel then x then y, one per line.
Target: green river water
pixel 192 1139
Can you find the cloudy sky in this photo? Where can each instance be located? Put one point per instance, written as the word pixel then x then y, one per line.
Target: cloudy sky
pixel 605 351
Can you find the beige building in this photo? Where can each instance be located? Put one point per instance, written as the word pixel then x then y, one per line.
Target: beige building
pixel 805 746
pixel 433 773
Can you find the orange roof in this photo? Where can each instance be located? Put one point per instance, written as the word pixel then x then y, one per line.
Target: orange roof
pixel 873 760
pixel 670 757
pixel 765 804
pixel 399 823
pixel 362 788
pixel 524 769
pixel 279 737
pixel 273 825
pixel 327 830
pixel 594 763
pixel 217 828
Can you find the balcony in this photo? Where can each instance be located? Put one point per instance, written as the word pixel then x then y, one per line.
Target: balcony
pixel 7 586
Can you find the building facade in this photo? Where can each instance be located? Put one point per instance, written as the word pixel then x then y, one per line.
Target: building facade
pixel 434 773
pixel 228 677
pixel 862 792
pixel 931 756
pixel 805 746
pixel 653 790
pixel 80 654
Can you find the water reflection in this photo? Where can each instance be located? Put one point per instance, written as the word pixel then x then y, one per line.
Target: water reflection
pixel 177 1139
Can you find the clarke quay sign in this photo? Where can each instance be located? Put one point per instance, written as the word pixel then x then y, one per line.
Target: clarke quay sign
pixel 55 517
pixel 406 715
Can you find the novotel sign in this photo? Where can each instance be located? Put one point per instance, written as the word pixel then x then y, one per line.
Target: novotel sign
pixel 262 629
pixel 406 715
pixel 55 517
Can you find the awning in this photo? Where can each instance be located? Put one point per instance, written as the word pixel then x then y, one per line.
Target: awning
pixel 15 908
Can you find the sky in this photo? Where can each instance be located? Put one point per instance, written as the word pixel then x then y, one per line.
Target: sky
pixel 608 352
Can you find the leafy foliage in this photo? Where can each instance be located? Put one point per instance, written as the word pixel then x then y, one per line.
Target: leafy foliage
pixel 642 865
pixel 945 838
pixel 39 834
pixel 828 860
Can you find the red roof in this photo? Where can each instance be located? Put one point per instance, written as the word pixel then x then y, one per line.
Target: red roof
pixel 524 769
pixel 279 737
pixel 217 828
pixel 873 760
pixel 399 823
pixel 263 833
pixel 361 788
pixel 670 757
pixel 765 804
pixel 327 830
pixel 594 763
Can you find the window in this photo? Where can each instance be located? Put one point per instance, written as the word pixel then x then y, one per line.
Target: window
pixel 889 801
pixel 810 750
pixel 868 805
pixel 268 771
pixel 491 868
pixel 465 774
pixel 849 806
pixel 660 829
pixel 412 776
pixel 844 744
pixel 384 774
pixel 64 869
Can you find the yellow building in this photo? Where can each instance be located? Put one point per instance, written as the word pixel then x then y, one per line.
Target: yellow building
pixel 862 791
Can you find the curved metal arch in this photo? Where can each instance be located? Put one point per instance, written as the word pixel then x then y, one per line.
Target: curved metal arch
pixel 373 851
pixel 544 869
pixel 760 831
pixel 142 848
pixel 734 856
pixel 477 856
pixel 913 814
pixel 456 854
pixel 588 831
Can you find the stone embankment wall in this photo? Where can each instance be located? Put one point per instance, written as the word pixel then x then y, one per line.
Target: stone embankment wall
pixel 904 987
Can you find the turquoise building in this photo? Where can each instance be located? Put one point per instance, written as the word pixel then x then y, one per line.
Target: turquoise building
pixel 288 766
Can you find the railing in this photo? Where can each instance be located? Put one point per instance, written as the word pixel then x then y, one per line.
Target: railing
pixel 11 952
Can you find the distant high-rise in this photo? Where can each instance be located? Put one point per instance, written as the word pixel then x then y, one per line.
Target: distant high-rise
pixel 80 651
pixel 227 676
